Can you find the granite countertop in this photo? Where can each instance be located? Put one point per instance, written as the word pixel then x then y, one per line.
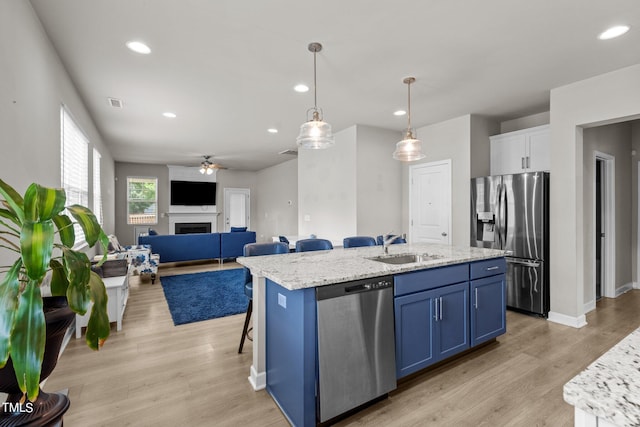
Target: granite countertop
pixel 610 387
pixel 311 269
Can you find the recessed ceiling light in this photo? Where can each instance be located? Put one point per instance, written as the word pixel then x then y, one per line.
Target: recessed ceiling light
pixel 301 88
pixel 399 113
pixel 169 115
pixel 613 32
pixel 139 47
pixel 272 130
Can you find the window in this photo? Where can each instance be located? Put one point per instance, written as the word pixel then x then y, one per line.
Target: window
pixel 142 200
pixel 75 165
pixel 97 188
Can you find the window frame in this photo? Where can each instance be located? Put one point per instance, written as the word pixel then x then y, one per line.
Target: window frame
pixel 129 200
pixel 97 186
pixel 74 166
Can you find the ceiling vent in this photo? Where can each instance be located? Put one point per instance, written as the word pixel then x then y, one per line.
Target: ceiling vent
pixel 292 152
pixel 115 103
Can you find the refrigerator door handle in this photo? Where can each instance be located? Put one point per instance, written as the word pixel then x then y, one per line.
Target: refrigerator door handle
pixel 503 215
pixel 526 263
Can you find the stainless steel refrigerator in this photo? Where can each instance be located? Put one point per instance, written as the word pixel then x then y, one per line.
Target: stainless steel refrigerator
pixel 511 212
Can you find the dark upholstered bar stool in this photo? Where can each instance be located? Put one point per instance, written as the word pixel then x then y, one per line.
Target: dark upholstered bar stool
pixel 308 245
pixel 256 249
pixel 357 241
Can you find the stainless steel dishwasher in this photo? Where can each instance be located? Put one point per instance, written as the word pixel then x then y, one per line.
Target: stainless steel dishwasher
pixel 356 344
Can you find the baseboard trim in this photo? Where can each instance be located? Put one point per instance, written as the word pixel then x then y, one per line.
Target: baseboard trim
pixel 258 380
pixel 636 285
pixel 589 306
pixel 563 319
pixel 625 288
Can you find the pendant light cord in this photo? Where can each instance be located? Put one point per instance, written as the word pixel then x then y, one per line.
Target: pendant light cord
pixel 409 105
pixel 315 90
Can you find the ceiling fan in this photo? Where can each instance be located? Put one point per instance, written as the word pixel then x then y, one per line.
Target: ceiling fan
pixel 207 166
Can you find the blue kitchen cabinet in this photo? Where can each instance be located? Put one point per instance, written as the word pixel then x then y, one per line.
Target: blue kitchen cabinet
pixel 415 316
pixel 488 300
pixel 431 324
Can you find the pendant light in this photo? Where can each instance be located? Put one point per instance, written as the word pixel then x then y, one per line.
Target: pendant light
pixel 315 133
pixel 410 148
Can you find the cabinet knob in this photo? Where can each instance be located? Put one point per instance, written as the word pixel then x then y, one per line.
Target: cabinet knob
pixel 444 234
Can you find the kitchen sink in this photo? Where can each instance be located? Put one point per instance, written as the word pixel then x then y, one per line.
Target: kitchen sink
pixel 404 258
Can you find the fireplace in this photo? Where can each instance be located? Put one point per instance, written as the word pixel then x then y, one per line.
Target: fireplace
pixel 192 227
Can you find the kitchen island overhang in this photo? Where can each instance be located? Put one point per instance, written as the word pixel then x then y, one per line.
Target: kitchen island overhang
pixel 298 274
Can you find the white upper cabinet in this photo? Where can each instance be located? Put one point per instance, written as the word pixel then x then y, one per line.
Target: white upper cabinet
pixel 526 150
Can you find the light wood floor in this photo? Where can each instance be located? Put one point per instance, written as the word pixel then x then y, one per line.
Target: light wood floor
pixel 153 373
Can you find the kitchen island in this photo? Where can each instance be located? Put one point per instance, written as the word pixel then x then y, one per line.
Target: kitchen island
pixel 425 277
pixel 607 393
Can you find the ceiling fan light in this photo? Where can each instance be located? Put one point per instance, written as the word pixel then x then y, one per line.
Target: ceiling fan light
pixel 203 170
pixel 209 171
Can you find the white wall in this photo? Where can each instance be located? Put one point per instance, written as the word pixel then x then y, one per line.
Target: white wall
pixel 378 183
pixel 608 98
pixel 276 199
pixel 327 189
pixel 525 122
pixel 33 85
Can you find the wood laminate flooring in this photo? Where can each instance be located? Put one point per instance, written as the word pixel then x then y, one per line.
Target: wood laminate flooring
pixel 153 373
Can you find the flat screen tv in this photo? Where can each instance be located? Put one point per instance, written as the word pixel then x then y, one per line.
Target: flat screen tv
pixel 193 193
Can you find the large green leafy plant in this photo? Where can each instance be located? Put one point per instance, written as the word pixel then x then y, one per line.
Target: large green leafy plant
pixel 36 229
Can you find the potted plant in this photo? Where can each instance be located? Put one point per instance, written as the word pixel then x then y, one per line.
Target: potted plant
pixel 36 229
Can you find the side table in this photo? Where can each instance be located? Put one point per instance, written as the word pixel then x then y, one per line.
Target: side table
pixel 118 293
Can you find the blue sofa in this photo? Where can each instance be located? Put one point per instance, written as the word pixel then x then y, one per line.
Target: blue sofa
pixel 198 246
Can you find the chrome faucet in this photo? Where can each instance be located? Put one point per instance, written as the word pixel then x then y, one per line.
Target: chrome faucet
pixel 388 241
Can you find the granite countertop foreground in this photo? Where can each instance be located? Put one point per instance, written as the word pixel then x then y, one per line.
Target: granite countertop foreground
pixel 610 387
pixel 311 269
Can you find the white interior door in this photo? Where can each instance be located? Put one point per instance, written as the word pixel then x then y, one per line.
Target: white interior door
pixel 430 202
pixel 237 208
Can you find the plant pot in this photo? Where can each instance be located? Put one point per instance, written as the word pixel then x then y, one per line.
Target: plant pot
pixel 48 407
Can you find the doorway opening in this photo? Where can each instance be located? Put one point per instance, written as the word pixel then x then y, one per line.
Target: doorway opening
pixel 604 226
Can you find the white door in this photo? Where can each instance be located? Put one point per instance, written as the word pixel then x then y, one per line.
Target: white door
pixel 237 208
pixel 430 202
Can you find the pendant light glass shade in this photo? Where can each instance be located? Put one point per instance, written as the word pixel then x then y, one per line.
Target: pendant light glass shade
pixel 315 133
pixel 410 148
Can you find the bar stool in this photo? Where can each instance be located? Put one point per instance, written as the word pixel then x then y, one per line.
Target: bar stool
pixel 307 245
pixel 256 249
pixel 357 241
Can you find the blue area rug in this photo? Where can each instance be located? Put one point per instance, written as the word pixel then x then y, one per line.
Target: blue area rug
pixel 202 296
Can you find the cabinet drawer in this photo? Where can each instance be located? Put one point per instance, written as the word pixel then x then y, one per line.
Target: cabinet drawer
pixel 489 267
pixel 423 280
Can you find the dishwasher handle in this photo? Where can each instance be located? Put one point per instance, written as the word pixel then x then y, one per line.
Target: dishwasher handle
pixel 353 287
pixel 358 288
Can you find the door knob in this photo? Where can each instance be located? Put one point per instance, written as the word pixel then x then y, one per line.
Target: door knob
pixel 444 234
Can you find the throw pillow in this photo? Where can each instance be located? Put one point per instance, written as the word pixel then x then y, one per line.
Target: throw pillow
pixel 152 232
pixel 238 229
